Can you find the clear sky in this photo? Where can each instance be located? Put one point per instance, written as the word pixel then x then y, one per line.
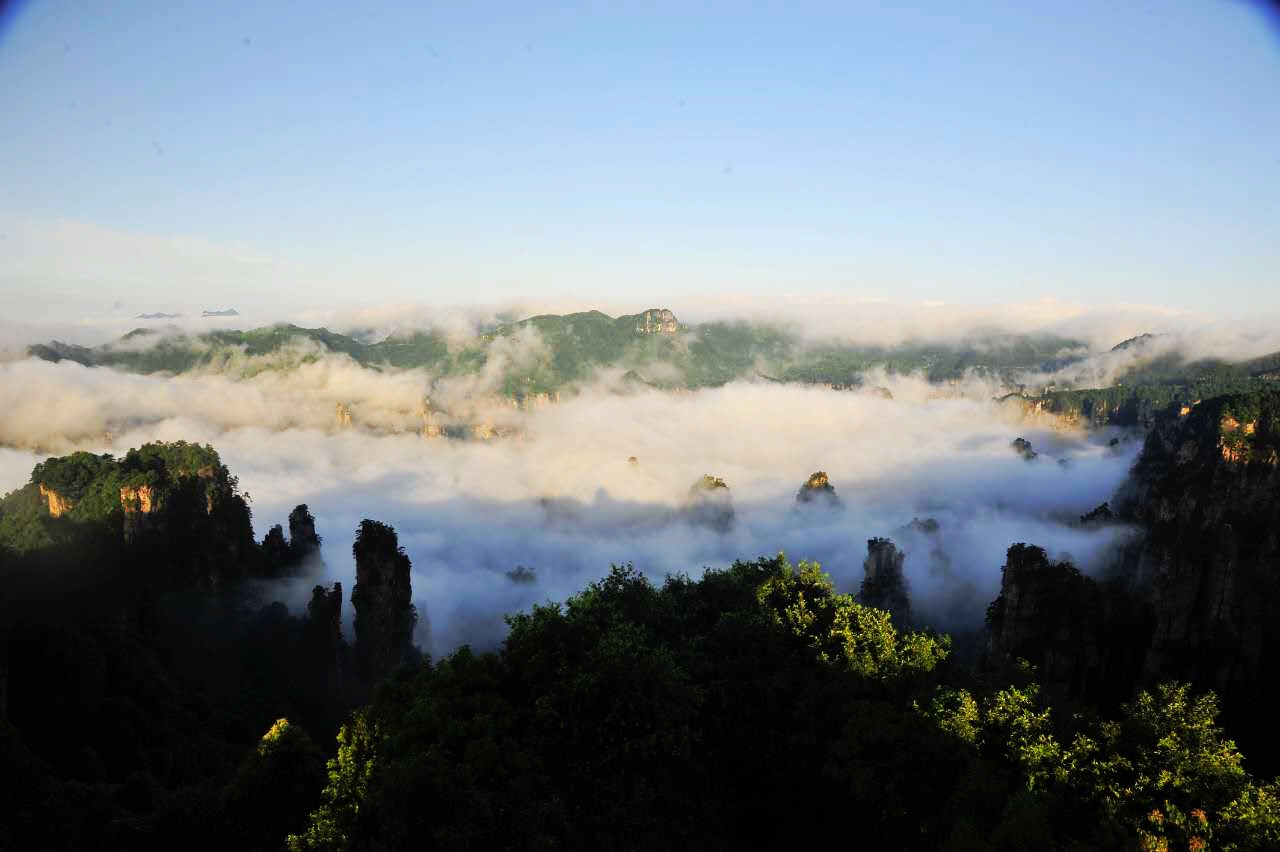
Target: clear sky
pixel 167 154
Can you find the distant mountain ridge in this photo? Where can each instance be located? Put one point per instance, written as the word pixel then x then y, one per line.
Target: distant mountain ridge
pixel 539 357
pixel 651 347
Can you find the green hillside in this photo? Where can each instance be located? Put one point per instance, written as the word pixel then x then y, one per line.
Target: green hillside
pixel 550 352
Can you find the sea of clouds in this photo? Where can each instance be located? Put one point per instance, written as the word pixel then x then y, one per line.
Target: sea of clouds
pixel 561 497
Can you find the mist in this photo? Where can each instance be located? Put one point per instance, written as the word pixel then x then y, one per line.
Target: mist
pixel 561 500
pixel 814 317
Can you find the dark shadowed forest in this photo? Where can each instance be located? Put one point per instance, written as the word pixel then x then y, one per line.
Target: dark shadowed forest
pixel 154 695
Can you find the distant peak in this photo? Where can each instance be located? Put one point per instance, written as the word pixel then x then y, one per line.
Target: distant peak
pixel 657 321
pixel 1140 340
pixel 157 316
pixel 228 312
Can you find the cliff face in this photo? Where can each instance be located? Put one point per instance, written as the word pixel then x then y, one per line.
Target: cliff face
pixel 58 504
pixel 322 633
pixel 1196 596
pixel 1045 613
pixel 303 541
pixel 1135 411
pixel 174 507
pixel 138 502
pixel 883 585
pixel 383 601
pixel 657 321
pixel 1115 406
pixel 296 555
pixel 275 547
pixel 1207 487
pixel 195 524
pixel 1086 640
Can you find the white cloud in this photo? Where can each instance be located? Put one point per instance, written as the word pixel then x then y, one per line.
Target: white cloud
pixel 562 498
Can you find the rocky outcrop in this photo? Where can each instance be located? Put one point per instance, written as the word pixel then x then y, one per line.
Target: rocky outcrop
pixel 275 548
pixel 817 491
pixel 322 633
pixel 173 506
pixel 1022 447
pixel 1086 640
pixel 1194 598
pixel 137 498
pixel 1136 408
pixel 884 586
pixel 139 504
pixel 710 504
pixel 303 541
pixel 657 321
pixel 383 601
pixel 58 504
pixel 1207 487
pixel 299 553
pixel 1044 614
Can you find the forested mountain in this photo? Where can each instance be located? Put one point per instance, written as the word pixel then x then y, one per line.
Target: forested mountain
pixel 151 698
pixel 141 663
pixel 566 349
pixel 538 358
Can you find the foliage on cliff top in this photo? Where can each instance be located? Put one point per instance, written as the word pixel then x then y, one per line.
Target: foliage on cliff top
pixel 708 483
pixel 1180 448
pixel 92 485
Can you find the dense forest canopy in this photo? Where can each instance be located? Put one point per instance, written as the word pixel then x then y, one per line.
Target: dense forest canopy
pixel 711 714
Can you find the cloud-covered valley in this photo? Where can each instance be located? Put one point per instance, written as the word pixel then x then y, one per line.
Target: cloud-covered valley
pixel 562 499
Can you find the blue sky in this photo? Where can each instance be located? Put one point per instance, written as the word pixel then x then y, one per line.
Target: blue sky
pixel 165 154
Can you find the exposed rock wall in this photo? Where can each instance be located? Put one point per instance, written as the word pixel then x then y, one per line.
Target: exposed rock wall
pixel 275 548
pixel 1196 596
pixel 1207 487
pixel 303 541
pixel 138 503
pixel 323 632
pixel 58 504
pixel 1087 640
pixel 657 321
